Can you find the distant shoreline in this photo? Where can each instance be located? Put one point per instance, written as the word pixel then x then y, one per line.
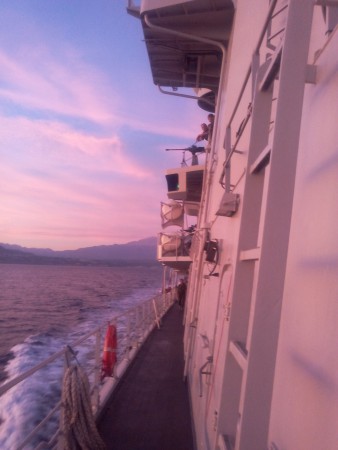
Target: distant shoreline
pixel 75 263
pixel 141 252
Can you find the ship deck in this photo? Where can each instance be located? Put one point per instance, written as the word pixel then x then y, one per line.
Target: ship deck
pixel 149 409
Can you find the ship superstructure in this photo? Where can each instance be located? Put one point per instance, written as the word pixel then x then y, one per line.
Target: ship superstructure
pixel 261 312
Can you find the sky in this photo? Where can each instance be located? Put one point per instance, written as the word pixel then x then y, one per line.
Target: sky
pixel 83 129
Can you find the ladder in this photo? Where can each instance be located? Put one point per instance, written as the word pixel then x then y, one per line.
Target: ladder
pixel 264 233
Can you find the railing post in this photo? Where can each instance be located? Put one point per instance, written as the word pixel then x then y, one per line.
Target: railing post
pixel 164 303
pixel 137 325
pixel 227 171
pixel 146 315
pixel 144 319
pixel 133 330
pixel 97 371
pixel 128 335
pixel 255 67
pixel 150 321
pixel 61 437
pixel 140 324
pixel 157 320
pixel 164 283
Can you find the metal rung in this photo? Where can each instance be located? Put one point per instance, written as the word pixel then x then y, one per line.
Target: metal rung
pixel 273 68
pixel 250 255
pixel 239 353
pixel 276 34
pixel 262 160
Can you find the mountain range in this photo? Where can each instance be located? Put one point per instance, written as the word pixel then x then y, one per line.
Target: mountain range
pixel 135 252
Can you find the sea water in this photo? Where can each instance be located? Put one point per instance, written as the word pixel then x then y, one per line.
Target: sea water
pixel 44 308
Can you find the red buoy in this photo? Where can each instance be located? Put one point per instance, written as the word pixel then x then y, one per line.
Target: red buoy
pixel 109 352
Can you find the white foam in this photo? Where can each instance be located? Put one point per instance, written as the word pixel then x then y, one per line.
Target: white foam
pixel 30 400
pixel 27 403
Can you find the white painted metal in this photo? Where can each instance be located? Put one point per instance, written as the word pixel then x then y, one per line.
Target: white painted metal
pixel 267 293
pixel 270 315
pixel 305 397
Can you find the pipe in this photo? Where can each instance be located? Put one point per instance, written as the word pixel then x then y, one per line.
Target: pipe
pixel 177 94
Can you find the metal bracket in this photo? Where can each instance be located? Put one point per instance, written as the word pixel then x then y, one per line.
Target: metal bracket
pixel 193 324
pixel 204 372
pixel 229 204
pixel 205 340
pixel 311 74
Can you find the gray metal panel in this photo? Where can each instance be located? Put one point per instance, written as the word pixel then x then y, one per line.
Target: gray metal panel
pixel 181 60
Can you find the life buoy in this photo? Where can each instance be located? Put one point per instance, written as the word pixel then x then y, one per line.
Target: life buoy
pixel 109 352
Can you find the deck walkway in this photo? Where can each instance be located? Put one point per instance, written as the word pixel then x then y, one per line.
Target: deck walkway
pixel 149 409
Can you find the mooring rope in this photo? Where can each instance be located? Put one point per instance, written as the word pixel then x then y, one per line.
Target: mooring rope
pixel 78 422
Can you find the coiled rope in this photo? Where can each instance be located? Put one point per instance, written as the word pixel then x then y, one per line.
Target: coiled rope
pixel 77 421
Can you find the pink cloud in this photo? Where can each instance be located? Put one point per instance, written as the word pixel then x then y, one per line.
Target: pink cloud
pixel 58 183
pixel 61 186
pixel 68 87
pixel 74 88
pixel 60 144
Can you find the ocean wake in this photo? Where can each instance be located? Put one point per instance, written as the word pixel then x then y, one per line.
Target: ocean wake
pixel 26 404
pixel 32 399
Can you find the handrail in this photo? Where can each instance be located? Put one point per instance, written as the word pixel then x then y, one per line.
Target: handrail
pixel 240 132
pixel 179 251
pixel 256 52
pixel 139 332
pixel 39 426
pixel 4 388
pixel 179 94
pixel 227 139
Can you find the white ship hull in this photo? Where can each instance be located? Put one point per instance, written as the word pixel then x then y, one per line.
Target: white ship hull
pixel 261 319
pixel 261 309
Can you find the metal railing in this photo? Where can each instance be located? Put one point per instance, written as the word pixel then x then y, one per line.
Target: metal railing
pixel 174 244
pixel 133 326
pixel 231 149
